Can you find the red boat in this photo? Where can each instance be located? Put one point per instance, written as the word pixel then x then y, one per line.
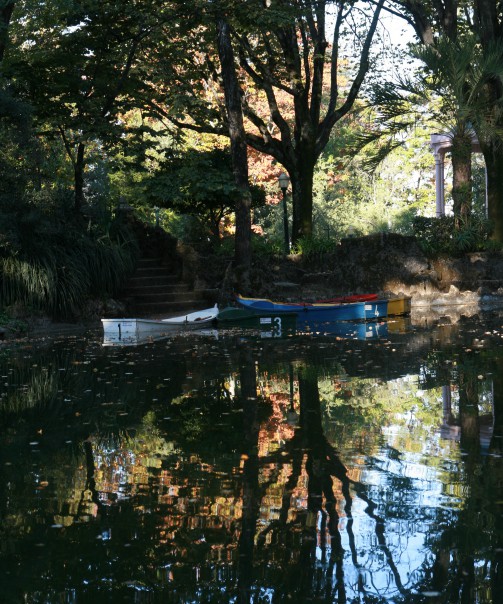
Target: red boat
pixel 351 298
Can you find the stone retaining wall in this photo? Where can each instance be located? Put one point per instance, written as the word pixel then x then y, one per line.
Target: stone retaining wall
pixel 391 264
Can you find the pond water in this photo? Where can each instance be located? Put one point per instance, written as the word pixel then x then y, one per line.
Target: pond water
pixel 247 466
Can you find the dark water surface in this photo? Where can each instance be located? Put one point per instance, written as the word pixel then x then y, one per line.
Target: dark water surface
pixel 230 467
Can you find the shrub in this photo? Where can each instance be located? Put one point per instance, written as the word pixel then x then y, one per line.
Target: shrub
pixel 313 248
pixel 262 248
pixel 49 261
pixel 439 235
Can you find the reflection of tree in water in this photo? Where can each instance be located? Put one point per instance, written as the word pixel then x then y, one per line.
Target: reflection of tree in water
pixel 306 578
pixel 160 539
pixel 250 476
pixel 55 406
pixel 309 549
pixel 468 560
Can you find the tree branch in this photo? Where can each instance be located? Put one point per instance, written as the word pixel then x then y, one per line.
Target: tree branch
pixel 335 115
pixel 266 74
pixel 67 145
pixel 320 47
pixel 334 84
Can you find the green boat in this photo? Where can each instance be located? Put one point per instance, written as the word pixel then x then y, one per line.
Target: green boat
pixel 265 321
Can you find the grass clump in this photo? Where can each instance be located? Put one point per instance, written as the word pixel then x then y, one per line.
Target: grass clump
pixel 52 261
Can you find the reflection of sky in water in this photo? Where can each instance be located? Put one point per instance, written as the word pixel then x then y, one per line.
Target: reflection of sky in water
pixel 407 520
pixel 413 493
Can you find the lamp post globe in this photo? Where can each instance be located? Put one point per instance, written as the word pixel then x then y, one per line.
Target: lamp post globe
pixel 284 181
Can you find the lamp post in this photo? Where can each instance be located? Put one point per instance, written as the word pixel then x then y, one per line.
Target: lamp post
pixel 283 181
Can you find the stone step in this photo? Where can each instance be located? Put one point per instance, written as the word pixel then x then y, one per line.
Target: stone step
pixel 154 271
pixel 156 289
pixel 152 280
pixel 147 261
pixel 171 288
pixel 176 296
pixel 195 300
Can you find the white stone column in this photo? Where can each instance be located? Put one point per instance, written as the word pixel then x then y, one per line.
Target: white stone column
pixel 440 144
pixel 439 182
pixel 487 191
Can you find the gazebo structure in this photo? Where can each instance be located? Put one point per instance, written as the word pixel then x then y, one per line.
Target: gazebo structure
pixel 440 144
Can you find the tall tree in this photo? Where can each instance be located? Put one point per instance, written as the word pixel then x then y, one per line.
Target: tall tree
pixel 78 74
pixel 237 137
pixel 292 92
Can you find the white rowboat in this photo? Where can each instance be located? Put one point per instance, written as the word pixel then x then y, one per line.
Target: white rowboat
pixel 124 330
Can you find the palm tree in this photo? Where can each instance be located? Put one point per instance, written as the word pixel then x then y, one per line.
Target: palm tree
pixel 455 74
pixel 449 93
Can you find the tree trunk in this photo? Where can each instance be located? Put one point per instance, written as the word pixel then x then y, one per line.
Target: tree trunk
pixel 493 156
pixel 242 252
pixel 461 176
pixel 5 17
pixel 78 169
pixel 302 198
pixel 494 470
pixel 306 216
pixel 469 419
pixel 250 475
pixel 296 205
pixel 496 446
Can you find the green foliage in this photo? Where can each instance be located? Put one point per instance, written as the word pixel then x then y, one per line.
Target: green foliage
pixel 81 76
pixel 189 229
pixel 439 236
pixel 313 248
pixel 350 199
pixel 269 219
pixel 198 183
pixel 263 249
pixel 48 261
pixel 16 142
pixel 225 248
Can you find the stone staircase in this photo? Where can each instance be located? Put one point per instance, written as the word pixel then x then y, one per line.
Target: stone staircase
pixel 155 290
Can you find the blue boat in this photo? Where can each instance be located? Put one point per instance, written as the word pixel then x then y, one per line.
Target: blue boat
pixel 318 312
pixel 346 330
pixel 376 309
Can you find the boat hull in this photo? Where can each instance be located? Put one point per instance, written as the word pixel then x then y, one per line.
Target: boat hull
pixel 269 324
pixel 134 329
pixel 399 305
pixel 318 312
pixel 194 319
pixel 138 329
pixel 349 298
pixel 376 309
